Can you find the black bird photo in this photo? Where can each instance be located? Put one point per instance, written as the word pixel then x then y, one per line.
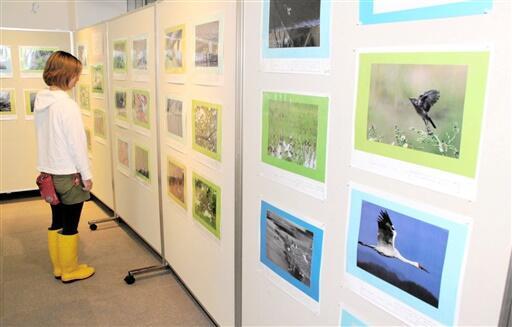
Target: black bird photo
pixel 423 104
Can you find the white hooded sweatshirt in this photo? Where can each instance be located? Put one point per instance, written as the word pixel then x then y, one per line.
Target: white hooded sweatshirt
pixel 61 141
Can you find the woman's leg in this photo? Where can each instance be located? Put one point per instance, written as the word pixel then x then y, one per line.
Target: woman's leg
pixel 71 218
pixel 57 217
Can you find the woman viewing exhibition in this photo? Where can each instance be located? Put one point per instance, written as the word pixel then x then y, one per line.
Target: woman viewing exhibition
pixel 62 153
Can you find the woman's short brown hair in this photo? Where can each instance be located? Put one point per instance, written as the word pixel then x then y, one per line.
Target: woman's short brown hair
pixel 60 69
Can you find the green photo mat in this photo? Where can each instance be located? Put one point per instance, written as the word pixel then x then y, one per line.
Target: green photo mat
pixel 120 67
pixel 136 121
pixel 87 89
pixel 201 218
pixel 100 113
pixel 322 105
pixel 214 155
pixel 26 97
pixel 477 68
pixel 12 98
pixel 138 174
pixel 171 195
pixel 97 71
pixel 128 104
pixel 23 64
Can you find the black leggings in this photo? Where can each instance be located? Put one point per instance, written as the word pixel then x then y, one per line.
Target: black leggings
pixel 66 217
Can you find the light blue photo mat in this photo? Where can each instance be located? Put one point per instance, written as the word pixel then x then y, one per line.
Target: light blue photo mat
pixel 313 290
pixel 455 252
pixel 321 52
pixel 348 320
pixel 462 8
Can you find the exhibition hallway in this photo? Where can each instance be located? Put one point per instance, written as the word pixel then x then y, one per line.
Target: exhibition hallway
pixel 30 296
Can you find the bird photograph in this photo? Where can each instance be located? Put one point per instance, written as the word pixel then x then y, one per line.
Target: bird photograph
pixel 403 251
pixel 417 107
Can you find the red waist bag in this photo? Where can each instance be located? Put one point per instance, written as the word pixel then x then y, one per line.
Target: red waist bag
pixel 45 183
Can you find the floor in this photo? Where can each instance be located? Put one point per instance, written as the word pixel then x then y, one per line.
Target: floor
pixel 30 296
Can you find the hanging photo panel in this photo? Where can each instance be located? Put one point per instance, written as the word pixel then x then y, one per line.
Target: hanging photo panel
pixel 140 108
pixel 83 56
pixel 209 51
pixel 175 49
pixel 30 97
pixel 88 138
pixel 291 248
pixel 100 125
pixel 406 259
pixel 296 36
pixel 139 58
pixel 121 104
pixel 294 133
pixel 33 60
pixel 387 11
pixel 97 80
pixel 206 204
pixel 84 98
pixel 5 61
pixel 418 117
pixel 123 155
pixel 8 104
pixel 120 58
pixel 141 157
pixel 176 118
pixel 207 129
pixel 176 182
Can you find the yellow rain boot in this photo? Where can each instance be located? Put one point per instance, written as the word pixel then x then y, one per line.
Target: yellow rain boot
pixel 68 258
pixel 53 249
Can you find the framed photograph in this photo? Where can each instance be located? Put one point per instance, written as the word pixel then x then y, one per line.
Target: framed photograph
pixel 176 182
pixel 120 56
pixel 388 11
pixel 89 141
pixel 410 257
pixel 7 104
pixel 97 79
pixel 141 108
pixel 424 109
pixel 29 95
pixel 292 248
pixel 209 45
pixel 123 155
pixel 176 118
pixel 206 207
pixel 100 124
pixel 175 49
pixel 349 320
pixel 33 59
pixel 140 54
pixel 294 135
pixel 296 35
pixel 82 55
pixel 5 61
pixel 142 169
pixel 121 102
pixel 206 128
pixel 84 97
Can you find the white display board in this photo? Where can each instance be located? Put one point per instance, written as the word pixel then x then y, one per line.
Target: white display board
pixel 202 256
pixel 92 56
pixel 18 147
pixel 135 170
pixel 268 297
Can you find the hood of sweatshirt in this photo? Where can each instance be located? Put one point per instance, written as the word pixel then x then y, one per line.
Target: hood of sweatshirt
pixel 45 98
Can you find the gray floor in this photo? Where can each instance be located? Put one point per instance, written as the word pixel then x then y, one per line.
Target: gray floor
pixel 30 296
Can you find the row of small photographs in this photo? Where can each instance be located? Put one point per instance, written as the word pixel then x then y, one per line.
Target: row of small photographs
pixel 139 101
pixel 208 46
pixel 137 61
pixel 421 108
pixel 412 254
pixel 300 29
pixel 32 60
pixel 8 103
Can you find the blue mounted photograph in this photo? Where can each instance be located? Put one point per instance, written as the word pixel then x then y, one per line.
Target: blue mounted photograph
pixel 413 256
pixel 388 11
pixel 349 320
pixel 292 248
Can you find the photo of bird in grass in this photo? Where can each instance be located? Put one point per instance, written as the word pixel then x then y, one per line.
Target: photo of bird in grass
pixel 417 106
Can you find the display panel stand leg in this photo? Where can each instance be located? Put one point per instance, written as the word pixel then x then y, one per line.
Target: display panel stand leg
pixel 93 224
pixel 130 277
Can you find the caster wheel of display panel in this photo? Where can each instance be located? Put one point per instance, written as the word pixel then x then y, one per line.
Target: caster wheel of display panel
pixel 129 279
pixel 93 227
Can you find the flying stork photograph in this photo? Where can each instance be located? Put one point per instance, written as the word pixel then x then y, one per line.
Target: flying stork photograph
pixel 403 251
pixel 417 106
pixel 294 23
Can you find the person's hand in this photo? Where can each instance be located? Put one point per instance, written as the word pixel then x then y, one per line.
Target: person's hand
pixel 87 185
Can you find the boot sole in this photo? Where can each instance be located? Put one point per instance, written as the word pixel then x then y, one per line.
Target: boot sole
pixel 76 280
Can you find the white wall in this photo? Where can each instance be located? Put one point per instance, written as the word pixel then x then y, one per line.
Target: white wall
pixel 37 14
pixel 90 12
